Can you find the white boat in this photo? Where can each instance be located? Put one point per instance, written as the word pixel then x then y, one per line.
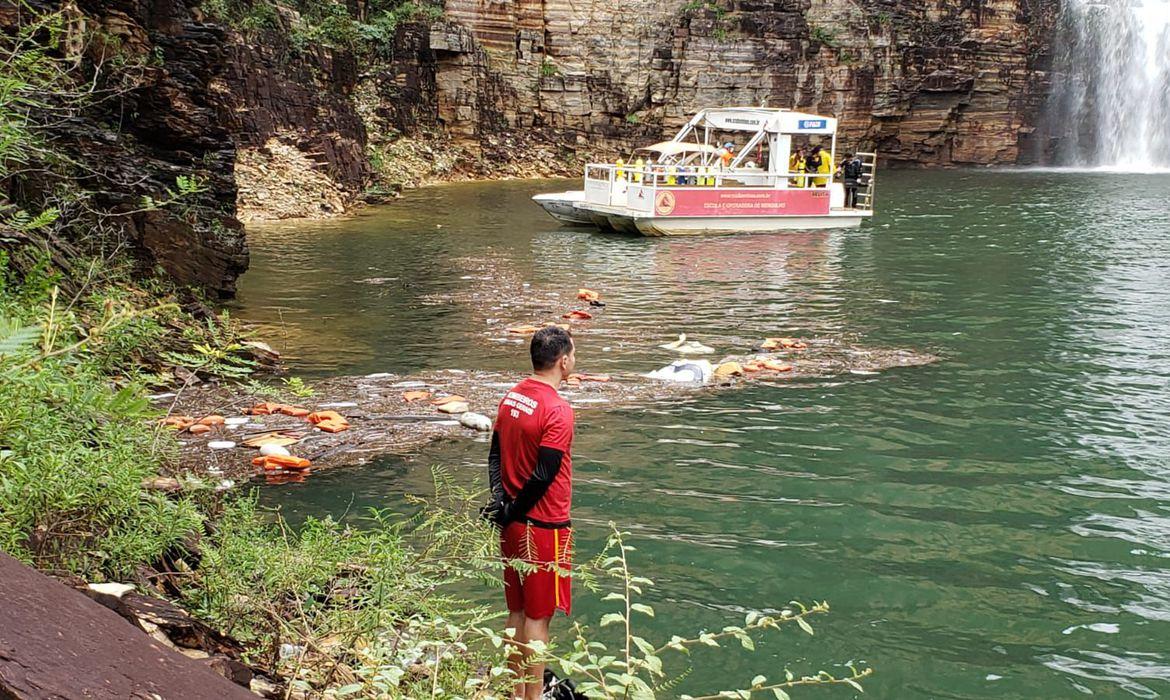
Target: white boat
pixel 562 207
pixel 690 186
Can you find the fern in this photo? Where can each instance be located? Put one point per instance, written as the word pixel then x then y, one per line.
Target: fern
pixel 17 339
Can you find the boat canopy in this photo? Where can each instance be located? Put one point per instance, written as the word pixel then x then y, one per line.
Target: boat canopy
pixel 674 148
pixel 772 121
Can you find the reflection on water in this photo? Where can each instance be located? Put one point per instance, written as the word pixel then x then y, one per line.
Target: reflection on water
pixel 995 525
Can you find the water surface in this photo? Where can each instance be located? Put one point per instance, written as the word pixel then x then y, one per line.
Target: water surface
pixel 996 525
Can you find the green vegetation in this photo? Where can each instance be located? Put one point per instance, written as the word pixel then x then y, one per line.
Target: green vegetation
pixel 76 445
pixel 310 23
pixel 549 69
pixel 721 22
pixel 822 35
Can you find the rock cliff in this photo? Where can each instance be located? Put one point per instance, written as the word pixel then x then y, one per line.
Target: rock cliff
pixel 924 82
pixel 535 87
pixel 147 115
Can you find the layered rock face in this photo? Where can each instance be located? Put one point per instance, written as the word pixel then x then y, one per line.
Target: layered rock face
pixel 927 83
pixel 301 144
pixel 153 117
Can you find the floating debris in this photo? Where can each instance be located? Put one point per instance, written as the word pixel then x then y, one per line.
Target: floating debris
pixel 687 347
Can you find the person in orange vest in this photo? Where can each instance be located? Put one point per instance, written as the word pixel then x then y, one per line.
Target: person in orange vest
pixel 726 154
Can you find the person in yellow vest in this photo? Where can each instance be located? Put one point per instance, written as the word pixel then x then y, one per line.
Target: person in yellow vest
pixel 639 165
pixel 620 171
pixel 818 161
pixel 826 168
pixel 671 175
pixel 796 165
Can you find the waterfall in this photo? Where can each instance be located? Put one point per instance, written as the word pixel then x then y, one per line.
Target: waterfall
pixel 1110 101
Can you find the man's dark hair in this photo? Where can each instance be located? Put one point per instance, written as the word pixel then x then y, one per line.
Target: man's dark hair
pixel 848 155
pixel 549 344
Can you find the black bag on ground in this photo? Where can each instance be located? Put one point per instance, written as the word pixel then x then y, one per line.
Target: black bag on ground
pixel 560 688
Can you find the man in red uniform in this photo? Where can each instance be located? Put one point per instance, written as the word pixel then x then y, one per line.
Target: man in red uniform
pixel 531 475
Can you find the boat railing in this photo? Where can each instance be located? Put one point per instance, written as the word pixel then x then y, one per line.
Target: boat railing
pixel 868 176
pixel 608 183
pixel 608 175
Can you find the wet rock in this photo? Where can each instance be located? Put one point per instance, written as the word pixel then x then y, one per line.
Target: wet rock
pixel 163 483
pixel 262 353
pixel 476 421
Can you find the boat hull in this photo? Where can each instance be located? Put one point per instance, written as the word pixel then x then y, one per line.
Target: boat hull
pixel 625 220
pixel 713 226
pixel 562 206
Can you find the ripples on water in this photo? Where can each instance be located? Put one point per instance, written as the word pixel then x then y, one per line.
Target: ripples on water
pixel 995 525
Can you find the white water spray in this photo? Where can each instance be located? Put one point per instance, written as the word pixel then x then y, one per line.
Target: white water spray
pixel 1110 103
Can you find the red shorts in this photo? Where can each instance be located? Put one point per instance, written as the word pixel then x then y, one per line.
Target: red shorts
pixel 539 593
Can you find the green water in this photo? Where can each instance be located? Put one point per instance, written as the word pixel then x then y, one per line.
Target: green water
pixel 996 525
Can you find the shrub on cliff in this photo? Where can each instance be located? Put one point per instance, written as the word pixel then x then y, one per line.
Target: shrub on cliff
pixel 366 28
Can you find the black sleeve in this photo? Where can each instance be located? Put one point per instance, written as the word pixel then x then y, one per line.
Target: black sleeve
pixel 494 480
pixel 548 465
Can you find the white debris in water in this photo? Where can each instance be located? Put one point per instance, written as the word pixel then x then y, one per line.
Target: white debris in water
pixel 993 677
pixel 685 371
pixel 379 375
pixel 408 384
pixel 274 451
pixel 454 407
pixel 863 372
pixel 476 421
pixel 1102 627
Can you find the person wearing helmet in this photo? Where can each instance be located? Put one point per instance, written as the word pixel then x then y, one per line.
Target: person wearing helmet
pixel 726 154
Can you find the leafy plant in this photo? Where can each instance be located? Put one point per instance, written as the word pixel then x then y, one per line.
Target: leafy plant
pixel 637 668
pixel 549 69
pixel 215 350
pixel 297 387
pixel 76 451
pixel 822 35
pixel 186 186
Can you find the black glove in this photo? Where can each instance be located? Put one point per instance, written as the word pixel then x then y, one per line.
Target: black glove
pixel 496 512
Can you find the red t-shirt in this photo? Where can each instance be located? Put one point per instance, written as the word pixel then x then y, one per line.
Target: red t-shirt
pixel 533 415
